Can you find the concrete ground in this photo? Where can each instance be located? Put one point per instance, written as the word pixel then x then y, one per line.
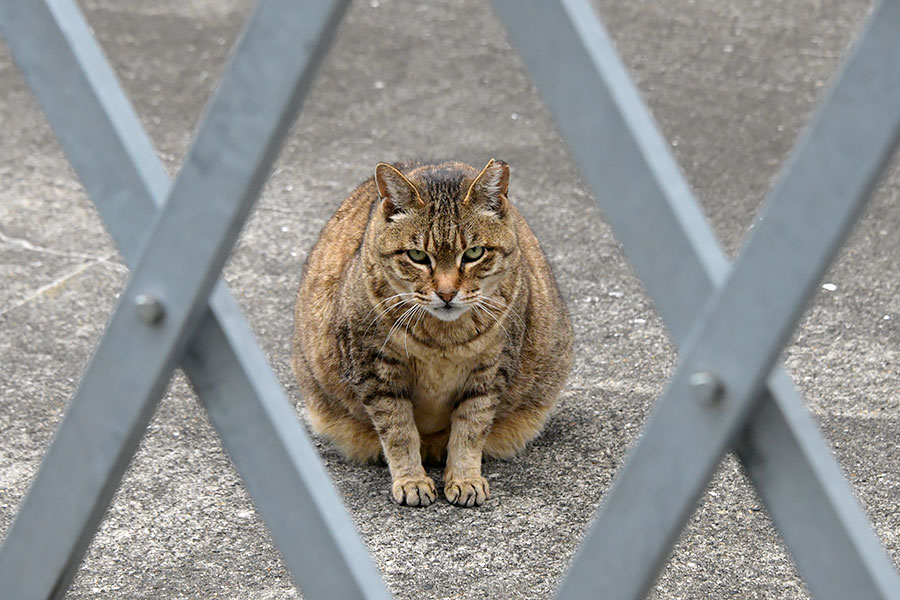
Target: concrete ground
pixel 730 83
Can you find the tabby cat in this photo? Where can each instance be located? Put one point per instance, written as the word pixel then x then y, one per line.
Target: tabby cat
pixel 428 326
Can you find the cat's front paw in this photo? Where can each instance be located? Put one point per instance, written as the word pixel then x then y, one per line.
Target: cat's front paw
pixel 414 491
pixel 467 492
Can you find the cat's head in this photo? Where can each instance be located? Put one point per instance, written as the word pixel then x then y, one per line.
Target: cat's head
pixel 444 233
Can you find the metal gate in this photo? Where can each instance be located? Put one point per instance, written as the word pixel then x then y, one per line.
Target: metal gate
pixel 730 321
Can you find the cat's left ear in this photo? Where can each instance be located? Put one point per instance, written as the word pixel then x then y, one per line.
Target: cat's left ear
pixel 397 193
pixel 490 187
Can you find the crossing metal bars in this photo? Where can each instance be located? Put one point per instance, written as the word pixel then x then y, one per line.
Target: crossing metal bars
pixel 731 325
pixel 730 322
pixel 270 71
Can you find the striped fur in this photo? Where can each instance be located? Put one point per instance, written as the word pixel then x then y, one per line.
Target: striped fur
pixel 390 368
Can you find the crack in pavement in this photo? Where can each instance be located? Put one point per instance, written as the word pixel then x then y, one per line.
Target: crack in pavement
pixel 91 259
pixel 26 245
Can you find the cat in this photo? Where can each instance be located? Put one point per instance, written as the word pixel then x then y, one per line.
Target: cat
pixel 429 325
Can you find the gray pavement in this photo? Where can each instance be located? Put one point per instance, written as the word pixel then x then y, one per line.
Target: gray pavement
pixel 730 83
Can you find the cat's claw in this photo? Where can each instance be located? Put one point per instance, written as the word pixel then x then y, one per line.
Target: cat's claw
pixel 467 492
pixel 414 491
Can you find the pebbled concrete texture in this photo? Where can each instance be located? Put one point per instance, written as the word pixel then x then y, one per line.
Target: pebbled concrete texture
pixel 730 83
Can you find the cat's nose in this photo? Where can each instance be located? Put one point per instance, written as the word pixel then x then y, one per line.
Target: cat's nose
pixel 446 296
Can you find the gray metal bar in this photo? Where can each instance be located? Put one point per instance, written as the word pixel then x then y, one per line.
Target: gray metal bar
pixel 280 467
pixel 739 335
pixel 784 452
pixel 290 462
pixel 620 152
pixel 90 115
pixel 121 172
pixel 637 183
pixel 120 169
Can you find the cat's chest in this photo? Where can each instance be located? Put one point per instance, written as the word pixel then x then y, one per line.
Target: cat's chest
pixel 436 387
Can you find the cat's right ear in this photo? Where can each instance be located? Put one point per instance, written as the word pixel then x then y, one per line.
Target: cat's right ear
pixel 397 193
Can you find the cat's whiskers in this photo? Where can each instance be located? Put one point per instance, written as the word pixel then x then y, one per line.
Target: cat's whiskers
pixel 377 304
pixel 497 303
pixel 504 308
pixel 480 312
pixel 421 316
pixel 397 324
pixel 378 317
pixel 491 317
pixel 408 322
pixel 405 317
pixel 486 308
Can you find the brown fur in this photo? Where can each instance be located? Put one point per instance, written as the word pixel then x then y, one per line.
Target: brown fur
pixel 416 376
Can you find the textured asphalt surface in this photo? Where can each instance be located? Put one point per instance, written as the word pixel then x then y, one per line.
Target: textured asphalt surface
pixel 730 83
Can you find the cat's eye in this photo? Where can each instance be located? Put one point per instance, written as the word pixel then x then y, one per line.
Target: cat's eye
pixel 418 256
pixel 473 253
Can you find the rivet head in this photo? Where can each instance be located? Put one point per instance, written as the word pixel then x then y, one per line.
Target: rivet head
pixel 149 309
pixel 707 387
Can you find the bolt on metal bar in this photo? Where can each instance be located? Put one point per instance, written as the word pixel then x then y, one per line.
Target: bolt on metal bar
pixel 121 172
pixel 638 185
pixel 112 134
